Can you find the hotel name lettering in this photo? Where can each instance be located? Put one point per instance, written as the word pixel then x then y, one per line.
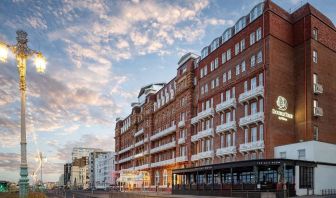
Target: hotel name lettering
pixel 282 104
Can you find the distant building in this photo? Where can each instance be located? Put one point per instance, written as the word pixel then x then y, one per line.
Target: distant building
pixel 61 180
pixel 79 152
pixel 104 170
pixel 67 174
pixel 79 172
pixel 92 157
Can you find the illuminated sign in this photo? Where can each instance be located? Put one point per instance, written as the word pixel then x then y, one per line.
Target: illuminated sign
pixel 282 104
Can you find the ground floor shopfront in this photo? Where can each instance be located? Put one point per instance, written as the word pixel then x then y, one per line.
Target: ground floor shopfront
pixel 245 178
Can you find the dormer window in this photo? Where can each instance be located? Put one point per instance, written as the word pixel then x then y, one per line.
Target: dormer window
pixel 214 44
pixel 240 24
pixel 226 35
pixel 205 52
pixel 256 12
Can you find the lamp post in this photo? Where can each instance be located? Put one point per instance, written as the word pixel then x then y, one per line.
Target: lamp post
pixel 22 53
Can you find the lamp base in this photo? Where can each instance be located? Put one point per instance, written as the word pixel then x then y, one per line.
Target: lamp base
pixel 24 182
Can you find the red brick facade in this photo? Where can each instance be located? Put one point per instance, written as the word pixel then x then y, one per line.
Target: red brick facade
pixel 226 112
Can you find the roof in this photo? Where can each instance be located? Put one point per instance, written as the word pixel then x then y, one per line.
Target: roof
pixel 143 89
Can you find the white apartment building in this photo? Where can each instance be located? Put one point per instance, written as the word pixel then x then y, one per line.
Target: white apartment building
pixel 104 170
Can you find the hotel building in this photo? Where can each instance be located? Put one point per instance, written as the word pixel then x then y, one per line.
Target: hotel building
pixel 252 113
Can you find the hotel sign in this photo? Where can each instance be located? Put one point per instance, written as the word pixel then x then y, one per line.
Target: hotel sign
pixel 282 104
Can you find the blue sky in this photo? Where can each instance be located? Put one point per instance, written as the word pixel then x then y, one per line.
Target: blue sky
pixel 99 55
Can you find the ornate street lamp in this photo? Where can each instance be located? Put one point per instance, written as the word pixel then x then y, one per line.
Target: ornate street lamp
pixel 22 53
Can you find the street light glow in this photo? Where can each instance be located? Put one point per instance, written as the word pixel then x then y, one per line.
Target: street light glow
pixel 3 52
pixel 40 63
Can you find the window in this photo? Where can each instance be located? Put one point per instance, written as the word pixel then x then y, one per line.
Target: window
pixel 315 78
pixel 314 56
pixel 283 155
pixel 228 54
pixel 227 117
pixel 243 66
pixel 157 178
pixel 253 107
pixel 252 38
pixel 206 88
pixel 212 65
pixel 254 83
pixel 227 95
pixel 214 44
pixel 233 92
pixel 236 48
pixel 242 45
pixel 253 134
pixel 261 132
pixel 226 35
pixel 233 138
pixel 316 133
pixel 258 34
pixel 259 57
pixel 229 74
pixel 315 33
pixel 165 177
pixel 205 52
pixel 223 58
pixel 315 103
pixel 246 109
pixel 237 70
pixel 212 84
pixel 201 74
pixel 202 90
pixel 228 140
pixel 306 177
pixel 261 105
pixel 217 81
pixel 261 79
pixel 252 61
pixel 302 154
pixel 245 86
pixel 216 63
pixel 246 135
pixel 256 12
pixel 224 77
pixel 205 70
pixel 240 24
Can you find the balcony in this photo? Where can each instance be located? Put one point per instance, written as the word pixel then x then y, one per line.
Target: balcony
pixel 125 159
pixel 138 155
pixel 202 134
pixel 318 112
pixel 229 126
pixel 250 119
pixel 165 132
pixel 318 88
pixel 230 150
pixel 182 159
pixel 202 155
pixel 141 131
pixel 202 115
pixel 181 124
pixel 142 167
pixel 230 103
pixel 181 140
pixel 252 146
pixel 125 149
pixel 139 143
pixel 163 147
pixel 163 163
pixel 253 93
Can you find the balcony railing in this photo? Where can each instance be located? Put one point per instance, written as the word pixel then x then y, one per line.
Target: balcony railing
pixel 125 149
pixel 252 146
pixel 202 155
pixel 318 111
pixel 202 134
pixel 126 159
pixel 181 124
pixel 230 103
pixel 229 126
pixel 165 132
pixel 253 93
pixel 163 147
pixel 203 114
pixel 141 131
pixel 318 88
pixel 163 163
pixel 181 140
pixel 230 150
pixel 138 155
pixel 253 118
pixel 182 159
pixel 142 167
pixel 139 143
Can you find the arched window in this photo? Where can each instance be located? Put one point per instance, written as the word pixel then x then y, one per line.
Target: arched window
pixel 157 178
pixel 205 52
pixel 165 177
pixel 226 35
pixel 256 11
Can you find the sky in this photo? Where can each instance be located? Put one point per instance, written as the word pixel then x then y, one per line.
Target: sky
pixel 99 53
